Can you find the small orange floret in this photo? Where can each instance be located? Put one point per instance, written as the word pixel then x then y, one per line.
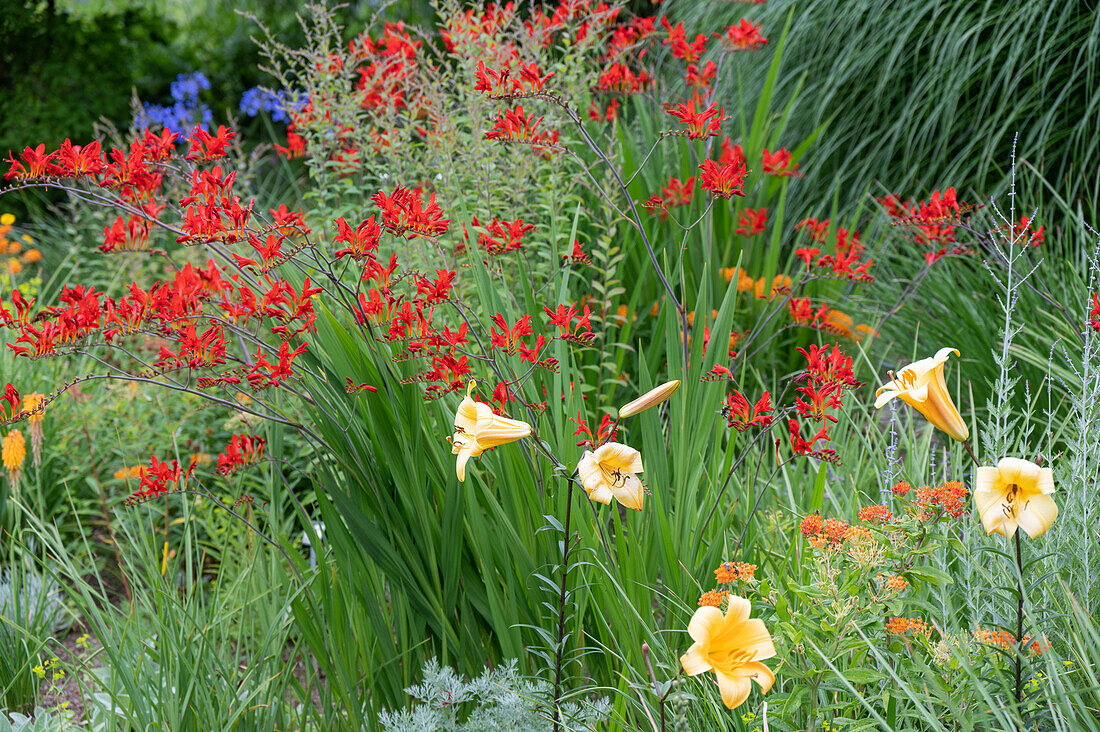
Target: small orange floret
pixel 901 626
pixel 879 514
pixel 894 582
pixel 811 525
pixel 730 572
pixel 713 598
pixel 901 488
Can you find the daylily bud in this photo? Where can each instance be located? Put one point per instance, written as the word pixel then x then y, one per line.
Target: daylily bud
pixel 921 385
pixel 651 398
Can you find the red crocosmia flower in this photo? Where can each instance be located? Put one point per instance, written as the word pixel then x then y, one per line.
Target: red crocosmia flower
pixel 778 163
pixel 74 161
pixel 800 446
pixel 816 229
pixel 160 147
pixel 740 414
pixel 620 79
pixel 405 214
pixel 813 401
pixel 707 123
pixel 11 396
pixel 1023 234
pixel 362 241
pixel 825 365
pixel 35 163
pixel 723 181
pixel 436 290
pixel 353 388
pixel 732 153
pixel 604 433
pixel 515 126
pixel 717 373
pixel 241 451
pixel 806 254
pixel 745 36
pixel 1094 314
pixel 501 396
pixel 508 338
pixel 685 50
pixel 696 78
pixel 751 221
pixel 158 479
pixel 596 114
pixel 289 223
pixel 206 147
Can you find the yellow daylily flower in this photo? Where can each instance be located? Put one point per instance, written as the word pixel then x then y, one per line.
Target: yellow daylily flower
pixel 477 428
pixel 651 398
pixel 1015 494
pixel 732 646
pixel 610 472
pixel 921 385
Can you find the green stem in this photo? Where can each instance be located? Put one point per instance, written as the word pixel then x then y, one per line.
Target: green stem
pixel 561 613
pixel 1019 617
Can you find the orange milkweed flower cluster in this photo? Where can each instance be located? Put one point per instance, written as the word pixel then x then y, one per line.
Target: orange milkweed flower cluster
pixel 730 572
pixel 951 498
pixel 713 598
pixel 907 626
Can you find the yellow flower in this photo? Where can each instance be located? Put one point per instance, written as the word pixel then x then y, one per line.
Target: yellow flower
pixel 610 472
pixel 477 428
pixel 921 385
pixel 732 646
pixel 651 398
pixel 7 219
pixel 1015 494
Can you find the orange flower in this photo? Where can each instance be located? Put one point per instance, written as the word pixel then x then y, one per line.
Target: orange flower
pixel 901 626
pixel 713 598
pixel 875 514
pixel 13 451
pixel 731 572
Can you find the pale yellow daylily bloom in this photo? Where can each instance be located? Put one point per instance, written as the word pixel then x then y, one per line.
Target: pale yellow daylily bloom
pixel 732 645
pixel 921 385
pixel 477 428
pixel 610 472
pixel 651 398
pixel 1015 494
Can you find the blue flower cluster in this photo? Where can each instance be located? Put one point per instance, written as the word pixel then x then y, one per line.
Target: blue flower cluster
pixel 186 112
pixel 256 100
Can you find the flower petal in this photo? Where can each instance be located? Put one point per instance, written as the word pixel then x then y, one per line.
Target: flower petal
pixel 694 662
pixel 630 492
pixel 735 690
pixel 738 609
pixel 615 456
pixel 885 393
pixel 761 674
pixel 1037 515
pixel 704 623
pixel 753 638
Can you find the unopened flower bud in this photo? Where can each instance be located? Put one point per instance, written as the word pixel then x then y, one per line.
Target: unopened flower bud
pixel 651 398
